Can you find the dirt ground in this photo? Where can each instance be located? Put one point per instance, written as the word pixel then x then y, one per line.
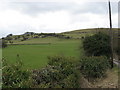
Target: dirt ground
pixel 110 81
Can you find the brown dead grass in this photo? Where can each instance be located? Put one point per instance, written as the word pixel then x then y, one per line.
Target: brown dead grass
pixel 110 81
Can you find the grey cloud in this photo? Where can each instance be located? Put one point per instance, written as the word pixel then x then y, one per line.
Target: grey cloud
pixel 33 8
pixel 97 8
pixel 119 14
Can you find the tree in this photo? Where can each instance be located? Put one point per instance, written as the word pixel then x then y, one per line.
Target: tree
pixel 24 38
pixel 97 45
pixel 9 35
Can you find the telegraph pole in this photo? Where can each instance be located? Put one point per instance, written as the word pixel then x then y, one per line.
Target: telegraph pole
pixel 111 35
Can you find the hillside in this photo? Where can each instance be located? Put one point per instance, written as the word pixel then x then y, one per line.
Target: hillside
pixel 86 32
pixel 38 38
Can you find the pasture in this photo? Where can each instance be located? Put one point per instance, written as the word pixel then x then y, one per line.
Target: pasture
pixel 35 56
pixel 34 51
pixel 0 57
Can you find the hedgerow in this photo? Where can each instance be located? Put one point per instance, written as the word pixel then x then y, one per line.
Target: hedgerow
pixel 94 67
pixel 97 45
pixel 13 76
pixel 59 73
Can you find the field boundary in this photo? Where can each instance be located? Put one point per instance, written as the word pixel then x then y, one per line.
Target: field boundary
pixel 32 44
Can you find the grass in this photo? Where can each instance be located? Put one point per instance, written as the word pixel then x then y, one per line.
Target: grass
pixel 35 56
pixel 0 67
pixel 37 40
pixel 86 32
pixel 111 81
pixel 0 57
pixel 0 53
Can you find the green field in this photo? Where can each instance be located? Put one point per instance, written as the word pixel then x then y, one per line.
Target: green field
pixel 86 32
pixel 35 56
pixel 0 55
pixel 34 51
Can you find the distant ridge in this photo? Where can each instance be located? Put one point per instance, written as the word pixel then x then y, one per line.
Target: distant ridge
pixel 89 29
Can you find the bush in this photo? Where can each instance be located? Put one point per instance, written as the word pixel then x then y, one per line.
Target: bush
pixel 97 45
pixel 72 81
pixel 64 63
pixel 59 73
pixel 13 76
pixel 48 74
pixel 24 38
pixel 94 67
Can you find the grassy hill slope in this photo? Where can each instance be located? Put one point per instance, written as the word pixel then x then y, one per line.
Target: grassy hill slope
pixel 86 32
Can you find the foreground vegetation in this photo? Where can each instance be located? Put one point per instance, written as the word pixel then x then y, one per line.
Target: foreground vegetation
pixel 60 73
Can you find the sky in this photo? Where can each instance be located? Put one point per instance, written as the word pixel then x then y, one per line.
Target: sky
pixel 49 16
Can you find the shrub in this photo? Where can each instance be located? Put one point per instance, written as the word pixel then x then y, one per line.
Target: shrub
pixel 65 63
pixel 24 38
pixel 82 37
pixel 72 81
pixel 97 45
pixel 59 73
pixel 48 74
pixel 94 67
pixel 13 76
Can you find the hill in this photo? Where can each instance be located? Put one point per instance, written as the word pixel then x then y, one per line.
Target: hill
pixel 37 38
pixel 85 32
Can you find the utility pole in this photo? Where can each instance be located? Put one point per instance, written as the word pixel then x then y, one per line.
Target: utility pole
pixel 111 35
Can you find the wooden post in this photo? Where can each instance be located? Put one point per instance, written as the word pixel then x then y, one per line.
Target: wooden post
pixel 111 35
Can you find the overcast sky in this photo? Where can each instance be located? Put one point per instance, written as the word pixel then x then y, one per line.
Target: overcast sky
pixel 21 16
